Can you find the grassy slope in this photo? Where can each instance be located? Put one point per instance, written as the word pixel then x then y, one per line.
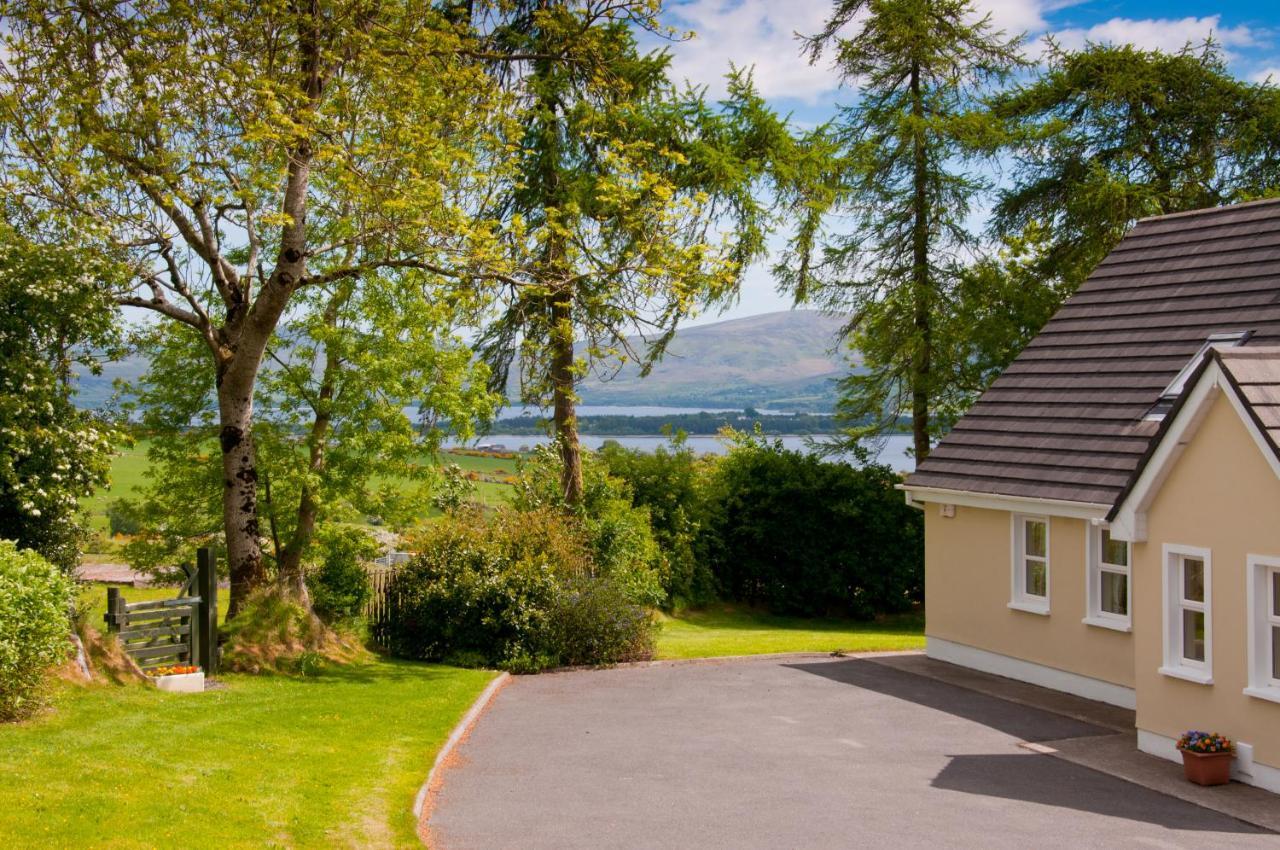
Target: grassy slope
pixel 728 630
pixel 268 761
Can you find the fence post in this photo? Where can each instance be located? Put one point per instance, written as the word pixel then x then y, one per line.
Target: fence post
pixel 207 611
pixel 115 609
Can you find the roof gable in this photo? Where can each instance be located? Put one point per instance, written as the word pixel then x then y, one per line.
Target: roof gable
pixel 1067 420
pixel 1250 381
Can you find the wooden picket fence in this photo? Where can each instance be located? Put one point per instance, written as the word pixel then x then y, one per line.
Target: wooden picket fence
pixel 378 611
pixel 164 632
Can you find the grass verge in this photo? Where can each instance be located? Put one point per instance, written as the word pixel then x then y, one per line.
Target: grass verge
pixel 730 630
pixel 268 761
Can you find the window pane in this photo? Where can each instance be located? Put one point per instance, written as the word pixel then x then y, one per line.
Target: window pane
pixel 1193 635
pixel 1115 593
pixel 1035 538
pixel 1275 652
pixel 1035 578
pixel 1275 594
pixel 1114 551
pixel 1193 579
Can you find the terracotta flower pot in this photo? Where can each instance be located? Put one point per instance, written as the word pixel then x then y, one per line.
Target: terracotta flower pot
pixel 1207 768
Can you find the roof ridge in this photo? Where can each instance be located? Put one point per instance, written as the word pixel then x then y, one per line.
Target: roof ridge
pixel 1211 210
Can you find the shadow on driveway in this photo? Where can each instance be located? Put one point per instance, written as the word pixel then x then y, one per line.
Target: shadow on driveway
pixel 1054 782
pixel 1027 777
pixel 1020 721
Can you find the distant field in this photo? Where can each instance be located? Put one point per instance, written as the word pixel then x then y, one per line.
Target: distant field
pixel 129 475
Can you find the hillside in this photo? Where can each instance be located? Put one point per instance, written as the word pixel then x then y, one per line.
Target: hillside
pixel 783 359
pixel 779 360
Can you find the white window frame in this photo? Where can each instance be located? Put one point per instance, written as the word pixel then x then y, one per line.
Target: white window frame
pixel 1260 595
pixel 1020 600
pixel 1175 665
pixel 1095 567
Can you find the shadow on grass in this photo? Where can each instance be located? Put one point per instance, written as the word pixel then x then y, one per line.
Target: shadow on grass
pixel 1053 782
pixel 381 671
pixel 746 619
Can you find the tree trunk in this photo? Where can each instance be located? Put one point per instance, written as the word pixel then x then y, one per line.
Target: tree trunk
pixel 564 400
pixel 921 279
pixel 240 481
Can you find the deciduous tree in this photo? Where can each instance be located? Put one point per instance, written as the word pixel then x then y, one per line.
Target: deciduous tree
pixel 242 156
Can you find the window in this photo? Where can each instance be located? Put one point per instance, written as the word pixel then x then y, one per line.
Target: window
pixel 1264 628
pixel 1188 615
pixel 1030 564
pixel 1108 580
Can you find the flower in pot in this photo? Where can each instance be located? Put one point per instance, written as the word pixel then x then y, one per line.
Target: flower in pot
pixel 1206 757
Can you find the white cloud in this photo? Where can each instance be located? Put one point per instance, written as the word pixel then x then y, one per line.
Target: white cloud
pixel 747 33
pixel 1168 34
pixel 1271 73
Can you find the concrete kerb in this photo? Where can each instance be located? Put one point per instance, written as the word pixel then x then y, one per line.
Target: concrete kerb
pixel 421 802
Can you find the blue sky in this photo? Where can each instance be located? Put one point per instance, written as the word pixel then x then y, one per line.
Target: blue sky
pixel 759 33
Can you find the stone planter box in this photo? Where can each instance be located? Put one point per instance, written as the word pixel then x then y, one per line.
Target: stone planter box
pixel 1207 768
pixel 183 683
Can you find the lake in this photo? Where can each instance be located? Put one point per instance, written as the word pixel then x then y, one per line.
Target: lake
pixel 895 451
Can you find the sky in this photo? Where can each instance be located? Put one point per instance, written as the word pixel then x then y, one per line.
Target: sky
pixel 761 34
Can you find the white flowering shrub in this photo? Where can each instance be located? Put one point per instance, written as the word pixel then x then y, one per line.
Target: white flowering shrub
pixel 35 625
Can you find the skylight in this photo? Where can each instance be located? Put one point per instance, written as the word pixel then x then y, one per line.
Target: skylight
pixel 1234 339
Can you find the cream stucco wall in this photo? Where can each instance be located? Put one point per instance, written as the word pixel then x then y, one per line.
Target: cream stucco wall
pixel 968 586
pixel 1223 496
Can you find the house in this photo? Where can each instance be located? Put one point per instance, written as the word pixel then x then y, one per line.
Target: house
pixel 1105 520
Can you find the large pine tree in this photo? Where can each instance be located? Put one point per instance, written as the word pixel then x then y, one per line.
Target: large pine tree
pixel 883 237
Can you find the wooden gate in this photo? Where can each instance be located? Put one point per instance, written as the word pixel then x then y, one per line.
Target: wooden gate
pixel 165 632
pixel 378 611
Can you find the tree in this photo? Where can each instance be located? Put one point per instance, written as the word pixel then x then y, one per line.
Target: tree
pixel 241 157
pixel 359 384
pixel 899 180
pixel 53 319
pixel 634 202
pixel 1110 134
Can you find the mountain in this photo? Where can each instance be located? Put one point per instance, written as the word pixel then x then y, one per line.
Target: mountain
pixel 788 359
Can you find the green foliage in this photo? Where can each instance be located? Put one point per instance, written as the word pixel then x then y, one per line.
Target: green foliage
pixel 516 590
pixel 803 536
pixel 454 490
pixel 122 517
pixel 1112 133
pixel 592 622
pixel 54 318
pixel 894 172
pixel 621 542
pixel 339 585
pixel 35 625
pixel 667 483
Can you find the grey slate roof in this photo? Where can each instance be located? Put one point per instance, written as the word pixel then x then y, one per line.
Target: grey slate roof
pixel 1066 420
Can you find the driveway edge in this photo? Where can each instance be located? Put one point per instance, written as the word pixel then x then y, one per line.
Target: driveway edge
pixel 422 802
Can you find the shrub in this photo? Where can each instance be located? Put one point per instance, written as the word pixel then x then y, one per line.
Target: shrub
pixel 618 534
pixel 593 623
pixel 668 483
pixel 516 590
pixel 35 601
pixel 339 585
pixel 803 536
pixel 123 518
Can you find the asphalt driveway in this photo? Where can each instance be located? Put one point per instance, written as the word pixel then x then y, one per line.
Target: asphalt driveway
pixel 817 753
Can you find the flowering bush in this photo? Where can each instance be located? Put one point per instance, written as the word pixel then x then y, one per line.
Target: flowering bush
pixel 1205 742
pixel 174 670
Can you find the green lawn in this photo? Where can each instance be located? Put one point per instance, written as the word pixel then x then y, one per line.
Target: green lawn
pixel 268 761
pixel 730 630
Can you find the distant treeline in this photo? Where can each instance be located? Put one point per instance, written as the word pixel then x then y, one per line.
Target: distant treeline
pixel 690 423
